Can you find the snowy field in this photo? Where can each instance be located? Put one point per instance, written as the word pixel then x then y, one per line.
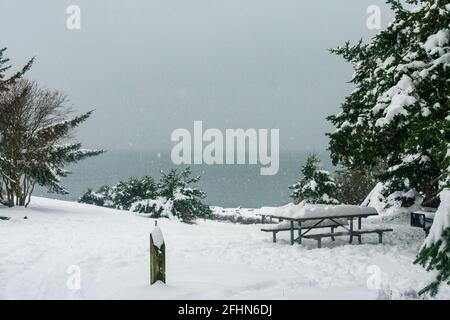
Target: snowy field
pixel 209 260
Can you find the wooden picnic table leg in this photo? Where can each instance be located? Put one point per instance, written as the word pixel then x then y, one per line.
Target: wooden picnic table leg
pixel 299 232
pixel 292 232
pixel 359 228
pixel 274 237
pixel 332 231
pixel 351 230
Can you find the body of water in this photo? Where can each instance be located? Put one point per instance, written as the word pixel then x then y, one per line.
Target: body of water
pixel 225 185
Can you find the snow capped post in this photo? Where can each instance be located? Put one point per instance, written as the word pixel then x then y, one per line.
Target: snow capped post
pixel 157 256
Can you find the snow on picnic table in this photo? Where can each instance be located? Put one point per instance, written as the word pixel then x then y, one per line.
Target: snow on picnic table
pixel 207 260
pixel 304 210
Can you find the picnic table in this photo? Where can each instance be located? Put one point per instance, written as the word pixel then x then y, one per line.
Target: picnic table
pixel 303 224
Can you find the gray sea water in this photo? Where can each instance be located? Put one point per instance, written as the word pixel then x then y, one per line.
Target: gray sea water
pixel 225 185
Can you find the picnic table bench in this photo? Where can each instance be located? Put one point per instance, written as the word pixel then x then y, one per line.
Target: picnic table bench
pixel 357 233
pixel 304 225
pixel 286 227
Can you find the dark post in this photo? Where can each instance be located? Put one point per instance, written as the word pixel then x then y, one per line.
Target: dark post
pixel 157 256
pixel 351 230
pixel 292 232
pixel 299 232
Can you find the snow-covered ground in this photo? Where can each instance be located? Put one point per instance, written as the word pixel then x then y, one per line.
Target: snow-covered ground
pixel 208 260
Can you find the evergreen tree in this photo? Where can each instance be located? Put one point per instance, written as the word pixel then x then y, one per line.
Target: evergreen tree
pixel 124 194
pixel 172 197
pixel 399 112
pixel 398 109
pixel 435 252
pixel 34 131
pixel 102 197
pixel 182 200
pixel 316 186
pixel 5 83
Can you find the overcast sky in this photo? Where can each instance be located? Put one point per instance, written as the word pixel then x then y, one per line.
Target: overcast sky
pixel 149 67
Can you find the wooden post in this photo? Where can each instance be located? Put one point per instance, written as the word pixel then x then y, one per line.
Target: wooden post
pixel 157 256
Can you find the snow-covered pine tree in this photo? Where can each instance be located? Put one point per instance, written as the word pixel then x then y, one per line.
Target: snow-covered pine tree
pixel 5 82
pixel 172 197
pixel 316 186
pixel 398 110
pixel 435 252
pixel 101 197
pixel 5 66
pixel 125 193
pixel 34 131
pixel 181 198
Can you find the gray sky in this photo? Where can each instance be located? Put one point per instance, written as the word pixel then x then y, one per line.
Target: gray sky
pixel 149 67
